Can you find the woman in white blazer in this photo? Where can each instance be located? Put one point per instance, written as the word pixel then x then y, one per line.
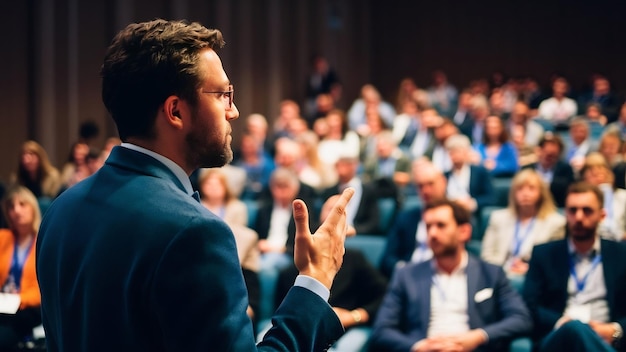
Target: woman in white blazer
pixel 530 219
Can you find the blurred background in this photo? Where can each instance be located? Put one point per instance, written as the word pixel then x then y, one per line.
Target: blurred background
pixel 52 51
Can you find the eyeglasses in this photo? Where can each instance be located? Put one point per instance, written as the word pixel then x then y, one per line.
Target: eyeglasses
pixel 226 96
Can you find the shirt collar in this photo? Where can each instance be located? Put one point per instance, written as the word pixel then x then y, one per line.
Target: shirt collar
pixel 458 270
pixel 177 170
pixel 594 249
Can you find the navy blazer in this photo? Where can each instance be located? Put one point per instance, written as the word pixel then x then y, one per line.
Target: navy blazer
pixel 545 287
pixel 128 261
pixel 480 185
pixel 401 241
pixel 404 315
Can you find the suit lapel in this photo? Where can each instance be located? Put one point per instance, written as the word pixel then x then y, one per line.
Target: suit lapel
pixel 608 266
pixel 424 283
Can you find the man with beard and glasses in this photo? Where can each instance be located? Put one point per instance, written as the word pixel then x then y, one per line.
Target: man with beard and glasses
pixel 128 260
pixel 453 302
pixel 575 287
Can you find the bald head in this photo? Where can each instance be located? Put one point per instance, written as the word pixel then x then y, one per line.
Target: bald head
pixel 429 180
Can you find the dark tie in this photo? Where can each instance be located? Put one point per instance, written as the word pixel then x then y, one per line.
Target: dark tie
pixel 196 196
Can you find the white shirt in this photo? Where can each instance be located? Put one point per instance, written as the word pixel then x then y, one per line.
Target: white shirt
pixel 557 111
pixel 441 159
pixel 448 301
pixel 590 302
pixel 277 234
pixel 458 183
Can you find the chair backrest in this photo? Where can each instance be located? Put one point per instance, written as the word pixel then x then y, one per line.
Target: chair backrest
pixel 371 246
pixel 387 209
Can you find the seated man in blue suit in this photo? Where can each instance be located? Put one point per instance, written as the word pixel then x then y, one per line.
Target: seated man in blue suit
pixel 575 287
pixel 454 302
pixel 128 260
pixel 468 185
pixel 406 241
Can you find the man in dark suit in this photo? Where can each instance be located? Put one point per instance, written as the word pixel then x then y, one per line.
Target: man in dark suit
pixel 406 241
pixel 555 172
pixel 575 287
pixel 453 302
pixel 128 260
pixel 363 213
pixel 469 185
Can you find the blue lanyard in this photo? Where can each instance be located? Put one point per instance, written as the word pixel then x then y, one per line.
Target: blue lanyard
pixel 517 244
pixel 17 265
pixel 580 284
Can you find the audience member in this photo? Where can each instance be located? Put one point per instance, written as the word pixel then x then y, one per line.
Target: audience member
pixel 274 221
pixel 462 116
pixel 601 95
pixel 369 139
pixel 468 185
pixel 574 287
pixel 257 126
pixel 75 169
pixel 597 172
pixel 530 219
pixel 475 127
pixel 216 195
pixel 443 95
pixel 362 211
pixel 370 97
pixel 620 125
pixel 497 153
pixel 357 292
pixel 520 116
pixel 438 153
pixel 526 154
pixel 579 144
pixel 35 172
pixel 289 110
pixel 321 80
pixel 407 124
pixel 389 169
pixel 258 167
pixel 610 147
pixel 554 171
pixel 406 240
pixel 409 91
pixel 596 120
pixel 558 109
pixel 339 137
pixel 17 267
pixel 312 170
pixel 454 302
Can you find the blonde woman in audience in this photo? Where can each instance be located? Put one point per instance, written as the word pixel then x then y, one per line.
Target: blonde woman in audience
pixel 611 147
pixel 35 172
pixel 313 171
pixel 17 265
pixel 597 172
pixel 216 196
pixel 530 219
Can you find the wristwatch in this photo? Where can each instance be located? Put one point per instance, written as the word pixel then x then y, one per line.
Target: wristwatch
pixel 617 335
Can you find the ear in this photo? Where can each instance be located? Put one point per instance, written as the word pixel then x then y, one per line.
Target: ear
pixel 172 111
pixel 465 232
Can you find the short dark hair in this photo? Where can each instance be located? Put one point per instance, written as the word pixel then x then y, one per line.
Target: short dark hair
pixel 461 214
pixel 550 137
pixel 148 62
pixel 585 187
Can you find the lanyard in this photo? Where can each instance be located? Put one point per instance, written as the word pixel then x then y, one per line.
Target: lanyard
pixel 518 239
pixel 580 284
pixel 18 263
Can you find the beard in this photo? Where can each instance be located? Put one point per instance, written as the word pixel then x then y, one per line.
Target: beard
pixel 581 233
pixel 212 150
pixel 441 250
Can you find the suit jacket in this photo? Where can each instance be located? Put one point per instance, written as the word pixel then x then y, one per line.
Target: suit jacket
pixel 506 160
pixel 616 229
pixel 404 315
pixel 264 215
pixel 480 187
pixel 620 175
pixel 128 261
pixel 357 284
pixel 500 235
pixel 401 240
pixel 367 216
pixel 545 287
pixel 29 288
pixel 563 177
